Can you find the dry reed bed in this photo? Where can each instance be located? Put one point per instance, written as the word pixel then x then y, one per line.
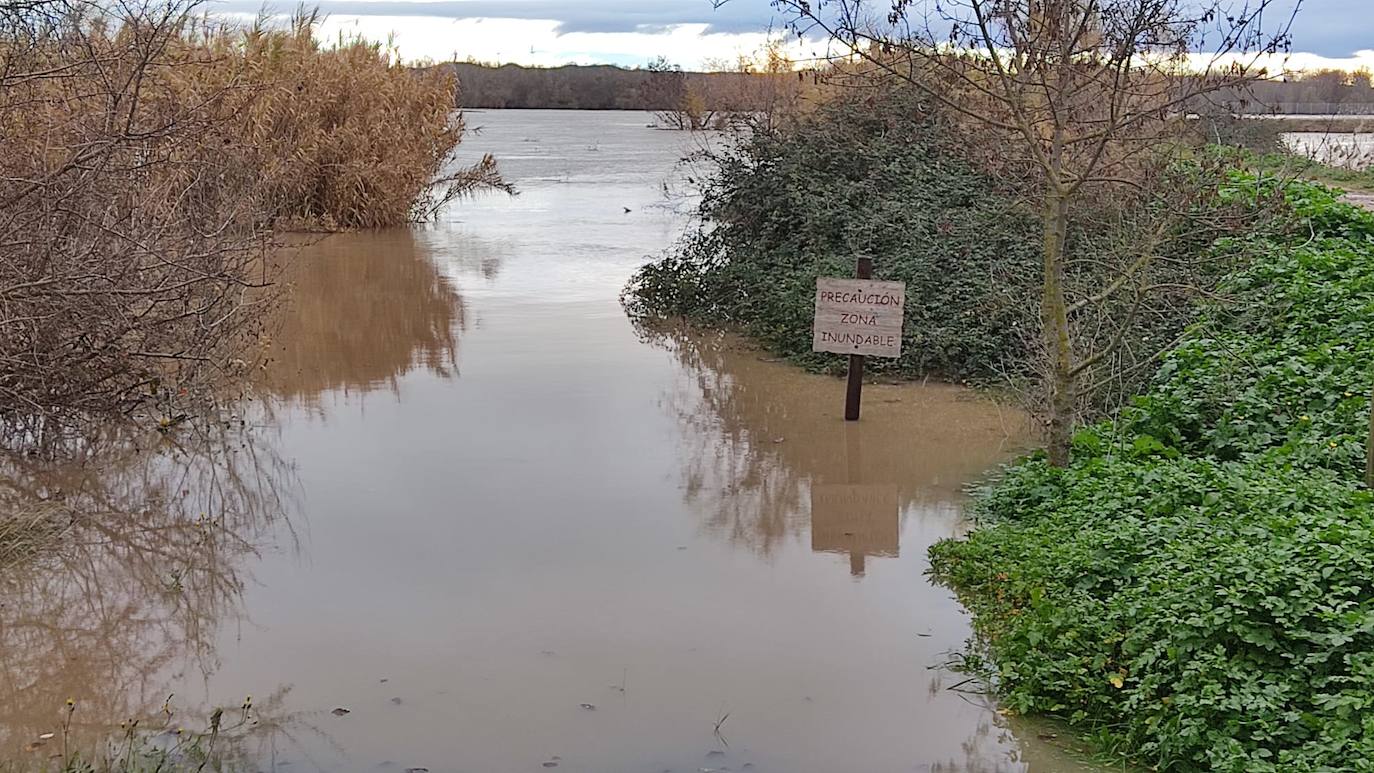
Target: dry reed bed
pixel 150 155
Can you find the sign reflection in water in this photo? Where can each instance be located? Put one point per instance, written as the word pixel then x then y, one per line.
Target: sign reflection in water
pixel 855 518
pixel 790 461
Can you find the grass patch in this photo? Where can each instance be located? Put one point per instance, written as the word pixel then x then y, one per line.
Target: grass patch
pixel 1344 178
pixel 157 745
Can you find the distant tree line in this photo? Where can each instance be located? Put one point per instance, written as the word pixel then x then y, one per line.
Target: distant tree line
pixel 1313 91
pixel 660 87
pixel 572 87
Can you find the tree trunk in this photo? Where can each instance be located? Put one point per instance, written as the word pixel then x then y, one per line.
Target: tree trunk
pixel 1054 321
pixel 1369 447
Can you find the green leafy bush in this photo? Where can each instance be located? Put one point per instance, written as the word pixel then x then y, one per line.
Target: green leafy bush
pixel 862 175
pixel 1197 588
pixel 886 174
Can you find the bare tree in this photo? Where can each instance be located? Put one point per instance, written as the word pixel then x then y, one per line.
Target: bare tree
pixel 665 93
pixel 1082 103
pixel 759 90
pixel 756 89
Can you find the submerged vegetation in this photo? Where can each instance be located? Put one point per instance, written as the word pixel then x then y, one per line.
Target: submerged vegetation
pixel 1185 575
pixel 856 176
pixel 1194 589
pixel 1192 586
pixel 226 741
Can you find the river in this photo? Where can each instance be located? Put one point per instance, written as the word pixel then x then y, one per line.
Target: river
pixel 1353 150
pixel 476 520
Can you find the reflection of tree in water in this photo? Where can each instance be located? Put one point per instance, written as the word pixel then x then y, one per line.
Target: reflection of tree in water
pixel 469 254
pixel 732 470
pixel 757 434
pixel 144 541
pixel 364 309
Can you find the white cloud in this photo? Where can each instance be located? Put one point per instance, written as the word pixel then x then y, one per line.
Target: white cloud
pixel 549 42
pixel 1360 59
pixel 1278 64
pixel 538 42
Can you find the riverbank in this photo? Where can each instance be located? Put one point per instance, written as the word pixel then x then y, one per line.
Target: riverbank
pixel 1194 590
pixel 1303 160
pixel 1175 594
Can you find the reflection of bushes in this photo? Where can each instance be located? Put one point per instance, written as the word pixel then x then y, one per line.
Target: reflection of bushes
pixel 366 308
pixel 142 562
pixel 759 433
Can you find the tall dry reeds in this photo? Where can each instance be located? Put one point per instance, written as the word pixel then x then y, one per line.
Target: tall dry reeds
pixel 148 156
pixel 350 138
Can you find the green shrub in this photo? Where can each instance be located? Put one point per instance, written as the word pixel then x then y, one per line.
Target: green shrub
pixel 887 175
pixel 859 176
pixel 1197 588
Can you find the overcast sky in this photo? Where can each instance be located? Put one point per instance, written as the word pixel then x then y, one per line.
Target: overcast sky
pixel 688 32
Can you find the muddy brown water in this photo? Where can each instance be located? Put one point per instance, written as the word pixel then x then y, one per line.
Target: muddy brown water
pixel 507 530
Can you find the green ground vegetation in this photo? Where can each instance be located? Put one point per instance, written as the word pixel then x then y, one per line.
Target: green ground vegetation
pixel 1196 590
pixel 1344 178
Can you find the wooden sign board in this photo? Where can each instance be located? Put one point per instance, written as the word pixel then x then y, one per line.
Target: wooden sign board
pixel 858 316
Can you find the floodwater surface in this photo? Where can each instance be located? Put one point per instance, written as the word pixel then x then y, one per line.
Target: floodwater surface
pixel 1342 149
pixel 479 521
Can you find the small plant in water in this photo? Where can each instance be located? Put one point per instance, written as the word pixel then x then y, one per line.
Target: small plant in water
pixel 140 746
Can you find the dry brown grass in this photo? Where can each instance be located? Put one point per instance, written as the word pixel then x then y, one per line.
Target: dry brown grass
pixel 349 138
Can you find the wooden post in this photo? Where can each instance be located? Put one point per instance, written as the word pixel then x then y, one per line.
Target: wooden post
pixel 853 394
pixel 853 463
